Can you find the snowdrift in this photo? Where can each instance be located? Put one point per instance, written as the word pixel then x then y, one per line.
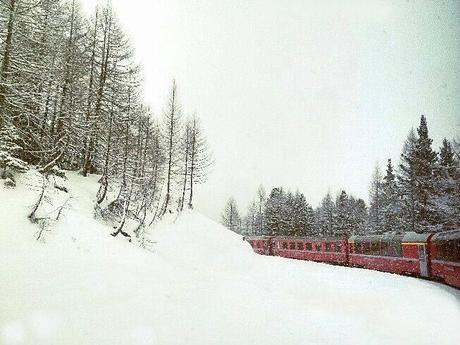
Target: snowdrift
pixel 201 285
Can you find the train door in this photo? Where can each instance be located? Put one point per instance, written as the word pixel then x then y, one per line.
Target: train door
pixel 422 260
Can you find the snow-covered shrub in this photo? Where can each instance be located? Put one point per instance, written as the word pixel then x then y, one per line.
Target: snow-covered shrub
pixel 9 153
pixel 9 182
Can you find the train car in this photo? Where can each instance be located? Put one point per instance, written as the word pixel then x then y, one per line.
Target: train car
pixel 434 256
pixel 445 257
pixel 261 244
pixel 330 250
pixel 402 254
pixel 416 247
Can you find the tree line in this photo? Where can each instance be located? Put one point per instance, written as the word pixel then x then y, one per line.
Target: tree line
pixel 71 99
pixel 420 194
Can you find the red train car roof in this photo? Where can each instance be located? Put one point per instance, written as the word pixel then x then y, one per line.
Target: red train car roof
pixel 370 238
pixel 447 235
pixel 413 237
pixel 311 239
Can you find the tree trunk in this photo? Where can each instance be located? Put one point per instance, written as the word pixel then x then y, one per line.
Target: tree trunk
pixel 7 52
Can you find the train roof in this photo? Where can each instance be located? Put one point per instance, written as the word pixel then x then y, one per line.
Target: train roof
pixel 296 238
pixel 257 237
pixel 386 237
pixel 415 237
pixel 447 235
pixel 312 238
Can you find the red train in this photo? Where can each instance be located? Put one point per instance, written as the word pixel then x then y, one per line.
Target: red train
pixel 434 256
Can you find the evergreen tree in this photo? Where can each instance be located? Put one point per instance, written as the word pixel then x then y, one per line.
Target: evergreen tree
pixel 231 216
pixel 417 182
pixel 288 216
pixel 342 218
pixel 274 208
pixel 424 167
pixel 391 202
pixel 261 199
pixel 407 184
pixel 303 221
pixel 448 183
pixel 375 224
pixel 358 215
pixel 9 152
pixel 250 220
pixel 324 216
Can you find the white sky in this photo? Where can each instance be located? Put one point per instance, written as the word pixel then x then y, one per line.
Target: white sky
pixel 303 94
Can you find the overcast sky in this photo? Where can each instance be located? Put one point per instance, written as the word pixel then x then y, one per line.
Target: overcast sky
pixel 308 95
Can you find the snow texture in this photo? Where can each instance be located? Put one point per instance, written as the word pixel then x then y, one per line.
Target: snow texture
pixel 201 285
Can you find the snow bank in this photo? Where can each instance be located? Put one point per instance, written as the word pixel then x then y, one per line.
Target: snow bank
pixel 201 285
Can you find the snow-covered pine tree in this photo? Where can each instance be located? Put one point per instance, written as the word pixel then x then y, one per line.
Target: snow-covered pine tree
pixel 358 215
pixel 342 218
pixel 456 147
pixel 249 221
pixel 391 201
pixel 303 216
pixel 9 152
pixel 274 208
pixel 287 214
pixel 424 167
pixel 448 187
pixel 407 184
pixel 324 216
pixel 261 199
pixel 231 216
pixel 375 223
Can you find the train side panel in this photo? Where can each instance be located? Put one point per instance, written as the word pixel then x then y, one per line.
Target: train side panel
pixel 321 250
pixel 389 253
pixel 445 257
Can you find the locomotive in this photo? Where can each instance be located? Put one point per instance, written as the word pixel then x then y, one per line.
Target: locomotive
pixel 433 255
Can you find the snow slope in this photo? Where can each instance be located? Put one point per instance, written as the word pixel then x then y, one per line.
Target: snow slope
pixel 201 285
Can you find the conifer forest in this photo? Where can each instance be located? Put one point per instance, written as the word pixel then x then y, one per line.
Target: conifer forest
pixel 420 193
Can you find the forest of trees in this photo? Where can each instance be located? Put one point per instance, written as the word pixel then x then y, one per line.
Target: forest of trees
pixel 421 194
pixel 70 99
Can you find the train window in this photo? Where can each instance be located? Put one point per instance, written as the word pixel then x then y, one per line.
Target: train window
pixel 357 248
pixel 259 245
pixel 367 248
pixel 444 250
pixel 308 246
pixel 285 245
pixel 265 245
pixel 375 248
pixel 337 248
pixel 318 247
pixel 328 247
pixel 299 246
pixel 292 246
pixel 395 248
pixel 457 250
pixel 384 247
pixel 448 250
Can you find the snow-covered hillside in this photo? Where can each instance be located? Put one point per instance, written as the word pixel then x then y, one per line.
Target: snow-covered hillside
pixel 201 285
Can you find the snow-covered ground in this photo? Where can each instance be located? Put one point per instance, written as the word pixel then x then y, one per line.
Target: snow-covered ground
pixel 201 285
